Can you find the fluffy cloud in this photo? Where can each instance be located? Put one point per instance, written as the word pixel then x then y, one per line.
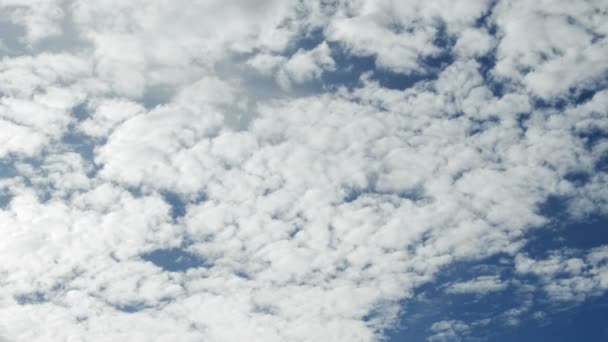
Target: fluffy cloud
pixel 302 217
pixel 569 277
pixel 551 47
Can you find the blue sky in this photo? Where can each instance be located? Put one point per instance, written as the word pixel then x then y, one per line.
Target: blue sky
pixel 303 170
pixel 564 322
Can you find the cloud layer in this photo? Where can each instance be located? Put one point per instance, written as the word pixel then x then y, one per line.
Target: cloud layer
pixel 288 203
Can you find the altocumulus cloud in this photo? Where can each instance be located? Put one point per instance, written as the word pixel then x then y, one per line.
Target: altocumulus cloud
pixel 239 171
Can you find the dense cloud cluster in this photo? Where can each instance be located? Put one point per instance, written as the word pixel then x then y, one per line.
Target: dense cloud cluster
pixel 291 203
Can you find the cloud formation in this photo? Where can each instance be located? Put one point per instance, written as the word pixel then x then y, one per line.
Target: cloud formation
pixel 306 208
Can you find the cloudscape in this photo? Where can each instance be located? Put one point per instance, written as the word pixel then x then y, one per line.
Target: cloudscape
pixel 303 170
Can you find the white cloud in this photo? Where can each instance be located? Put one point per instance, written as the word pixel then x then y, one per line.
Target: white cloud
pixel 107 114
pixel 302 66
pixel 306 65
pixel 315 215
pixel 474 42
pixel 480 285
pixel 569 278
pixel 550 46
pixel 399 34
pixel 448 331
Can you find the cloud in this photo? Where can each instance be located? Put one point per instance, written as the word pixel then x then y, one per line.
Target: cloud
pixel 409 31
pixel 551 48
pixel 480 285
pixel 448 331
pixel 567 277
pixel 311 215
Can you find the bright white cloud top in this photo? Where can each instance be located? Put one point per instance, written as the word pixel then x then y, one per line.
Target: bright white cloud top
pixel 291 204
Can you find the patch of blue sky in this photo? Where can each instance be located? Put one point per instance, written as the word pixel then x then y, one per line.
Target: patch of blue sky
pixel 80 111
pixel 178 206
pixel 564 232
pixel 7 168
pixel 157 95
pixel 486 64
pixel 175 259
pixel 31 298
pixel 80 143
pixel 575 96
pixel 131 307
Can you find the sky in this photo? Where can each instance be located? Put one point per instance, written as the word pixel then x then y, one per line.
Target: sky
pixel 299 170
